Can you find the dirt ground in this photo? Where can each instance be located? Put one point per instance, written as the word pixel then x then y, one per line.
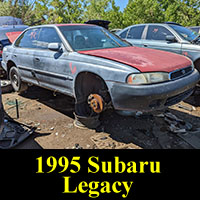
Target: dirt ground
pixel 53 116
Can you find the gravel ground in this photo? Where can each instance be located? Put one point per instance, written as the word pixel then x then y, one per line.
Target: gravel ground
pixel 177 127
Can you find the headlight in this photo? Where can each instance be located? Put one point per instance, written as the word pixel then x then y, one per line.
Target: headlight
pixel 147 78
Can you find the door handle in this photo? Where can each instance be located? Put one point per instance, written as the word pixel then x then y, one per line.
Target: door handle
pixel 37 59
pixel 33 73
pixel 145 45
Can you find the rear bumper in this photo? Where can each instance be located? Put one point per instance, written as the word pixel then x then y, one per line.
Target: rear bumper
pixel 152 97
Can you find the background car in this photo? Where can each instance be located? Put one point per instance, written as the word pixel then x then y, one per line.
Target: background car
pixel 195 28
pixel 102 23
pixel 10 29
pixel 98 69
pixel 167 36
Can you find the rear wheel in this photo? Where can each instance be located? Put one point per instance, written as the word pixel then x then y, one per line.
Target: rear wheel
pixel 17 84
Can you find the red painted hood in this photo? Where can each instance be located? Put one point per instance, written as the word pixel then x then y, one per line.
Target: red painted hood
pixel 145 60
pixel 12 36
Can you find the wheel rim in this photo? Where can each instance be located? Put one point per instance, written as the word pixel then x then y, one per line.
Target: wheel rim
pixel 15 79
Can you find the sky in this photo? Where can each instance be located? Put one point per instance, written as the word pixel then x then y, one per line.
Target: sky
pixel 121 3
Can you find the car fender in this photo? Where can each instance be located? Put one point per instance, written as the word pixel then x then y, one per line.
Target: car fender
pixel 106 69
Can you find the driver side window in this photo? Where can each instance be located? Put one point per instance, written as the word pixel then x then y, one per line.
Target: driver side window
pixel 47 35
pixel 157 33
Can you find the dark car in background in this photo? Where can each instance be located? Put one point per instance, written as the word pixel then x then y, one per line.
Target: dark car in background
pixel 8 34
pixel 98 22
pixel 165 36
pixel 10 29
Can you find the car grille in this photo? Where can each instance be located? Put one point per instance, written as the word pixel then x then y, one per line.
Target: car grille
pixel 175 99
pixel 181 73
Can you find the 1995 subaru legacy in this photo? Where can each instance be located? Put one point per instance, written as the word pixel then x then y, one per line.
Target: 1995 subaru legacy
pixel 98 69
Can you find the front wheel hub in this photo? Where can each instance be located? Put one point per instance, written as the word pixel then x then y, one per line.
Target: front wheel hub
pixel 96 102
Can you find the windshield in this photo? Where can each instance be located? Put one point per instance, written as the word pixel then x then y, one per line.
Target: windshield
pixel 185 33
pixel 83 38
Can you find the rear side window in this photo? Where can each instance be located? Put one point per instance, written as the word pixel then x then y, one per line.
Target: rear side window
pixel 135 32
pixel 157 33
pixel 124 34
pixel 47 35
pixel 28 39
pixel 195 29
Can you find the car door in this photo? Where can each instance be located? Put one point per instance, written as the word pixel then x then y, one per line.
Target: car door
pixel 133 35
pixel 25 47
pixel 51 68
pixel 156 39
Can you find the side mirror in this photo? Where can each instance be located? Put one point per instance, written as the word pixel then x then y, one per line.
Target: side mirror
pixel 171 38
pixel 54 46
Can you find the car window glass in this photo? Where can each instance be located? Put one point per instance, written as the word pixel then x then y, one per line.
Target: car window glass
pixel 185 33
pixel 47 35
pixel 195 29
pixel 135 32
pixel 124 34
pixel 157 33
pixel 28 39
pixel 90 37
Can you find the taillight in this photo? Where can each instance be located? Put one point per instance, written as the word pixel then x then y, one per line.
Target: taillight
pixel 1 53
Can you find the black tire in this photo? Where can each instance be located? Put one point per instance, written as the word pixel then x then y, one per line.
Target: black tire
pixel 88 84
pixel 197 65
pixel 16 82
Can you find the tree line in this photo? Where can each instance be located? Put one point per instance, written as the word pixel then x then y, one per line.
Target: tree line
pixel 35 12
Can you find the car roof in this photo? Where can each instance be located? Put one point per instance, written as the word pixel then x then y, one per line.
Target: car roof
pixel 12 28
pixel 163 24
pixel 73 24
pixel 57 25
pixel 9 20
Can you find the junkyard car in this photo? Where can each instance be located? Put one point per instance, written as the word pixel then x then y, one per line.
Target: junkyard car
pixel 98 69
pixel 7 35
pixel 167 36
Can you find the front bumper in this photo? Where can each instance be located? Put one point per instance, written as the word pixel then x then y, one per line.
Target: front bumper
pixel 152 97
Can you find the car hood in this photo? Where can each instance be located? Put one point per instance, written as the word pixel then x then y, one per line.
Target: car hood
pixel 145 60
pixel 12 36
